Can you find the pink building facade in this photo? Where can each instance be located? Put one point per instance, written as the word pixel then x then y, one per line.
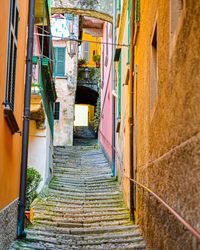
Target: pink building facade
pixel 105 128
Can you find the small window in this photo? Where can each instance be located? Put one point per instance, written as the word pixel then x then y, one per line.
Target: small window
pixel 86 51
pixel 59 69
pixel 154 69
pixel 12 55
pixel 56 110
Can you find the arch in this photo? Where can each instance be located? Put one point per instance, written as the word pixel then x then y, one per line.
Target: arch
pixel 86 95
pixel 82 12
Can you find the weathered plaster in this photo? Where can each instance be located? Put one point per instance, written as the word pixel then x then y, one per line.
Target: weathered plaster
pixel 66 90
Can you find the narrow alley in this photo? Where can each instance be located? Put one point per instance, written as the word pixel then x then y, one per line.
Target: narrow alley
pixel 100 124
pixel 82 208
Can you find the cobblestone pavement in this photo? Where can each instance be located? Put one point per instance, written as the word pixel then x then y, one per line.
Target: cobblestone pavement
pixel 82 208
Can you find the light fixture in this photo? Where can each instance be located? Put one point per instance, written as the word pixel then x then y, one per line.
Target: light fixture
pixel 87 76
pixel 72 45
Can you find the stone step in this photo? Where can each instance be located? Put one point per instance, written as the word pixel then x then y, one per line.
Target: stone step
pixel 82 208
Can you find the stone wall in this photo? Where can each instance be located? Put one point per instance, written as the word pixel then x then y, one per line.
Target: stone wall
pixel 168 135
pixel 8 222
pixel 66 91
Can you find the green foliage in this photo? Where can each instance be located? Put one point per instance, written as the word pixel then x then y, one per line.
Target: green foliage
pixel 94 75
pixel 33 180
pixel 97 115
pixel 96 58
pixel 92 4
pixel 82 61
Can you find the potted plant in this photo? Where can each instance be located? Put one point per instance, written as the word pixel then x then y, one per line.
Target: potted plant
pixel 96 59
pixel 81 61
pixel 32 182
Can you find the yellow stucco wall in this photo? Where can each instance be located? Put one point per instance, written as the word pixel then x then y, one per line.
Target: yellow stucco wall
pixel 95 45
pixel 167 135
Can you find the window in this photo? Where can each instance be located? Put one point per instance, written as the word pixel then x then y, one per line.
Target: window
pixel 154 69
pixel 12 55
pixel 56 111
pixel 86 51
pixel 59 69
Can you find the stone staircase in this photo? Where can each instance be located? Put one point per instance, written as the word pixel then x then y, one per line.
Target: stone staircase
pixel 82 207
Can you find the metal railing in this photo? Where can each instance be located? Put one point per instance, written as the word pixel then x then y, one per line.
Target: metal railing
pixel 190 228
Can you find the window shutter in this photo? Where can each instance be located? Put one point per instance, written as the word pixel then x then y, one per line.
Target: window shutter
pixel 119 89
pixel 119 5
pixel 137 16
pixel 60 61
pixel 12 55
pixel 86 51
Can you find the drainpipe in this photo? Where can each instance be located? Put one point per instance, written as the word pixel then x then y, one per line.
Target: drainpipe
pixel 25 134
pixel 113 88
pixel 131 103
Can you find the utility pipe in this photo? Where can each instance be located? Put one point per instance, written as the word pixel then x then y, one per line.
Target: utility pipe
pixel 25 133
pixel 131 103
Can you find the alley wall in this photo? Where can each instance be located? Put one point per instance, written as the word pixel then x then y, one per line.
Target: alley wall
pixel 10 144
pixel 166 101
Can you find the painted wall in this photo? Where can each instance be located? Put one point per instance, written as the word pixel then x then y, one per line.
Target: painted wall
pixel 66 89
pixel 93 47
pixel 40 151
pixel 168 132
pixel 10 145
pixel 40 140
pixel 106 94
pixel 122 120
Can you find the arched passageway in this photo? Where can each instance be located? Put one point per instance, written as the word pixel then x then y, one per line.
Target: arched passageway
pixel 85 108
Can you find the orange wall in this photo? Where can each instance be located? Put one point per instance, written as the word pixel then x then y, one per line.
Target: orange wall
pixel 10 145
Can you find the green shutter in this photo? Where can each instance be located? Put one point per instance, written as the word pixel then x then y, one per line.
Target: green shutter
pixel 119 89
pixel 137 16
pixel 60 61
pixel 119 5
pixel 129 28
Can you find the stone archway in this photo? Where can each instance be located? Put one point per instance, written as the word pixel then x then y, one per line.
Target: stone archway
pixel 92 8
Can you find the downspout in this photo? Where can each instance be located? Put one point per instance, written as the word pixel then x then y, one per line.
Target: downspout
pixel 25 133
pixel 131 96
pixel 113 88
